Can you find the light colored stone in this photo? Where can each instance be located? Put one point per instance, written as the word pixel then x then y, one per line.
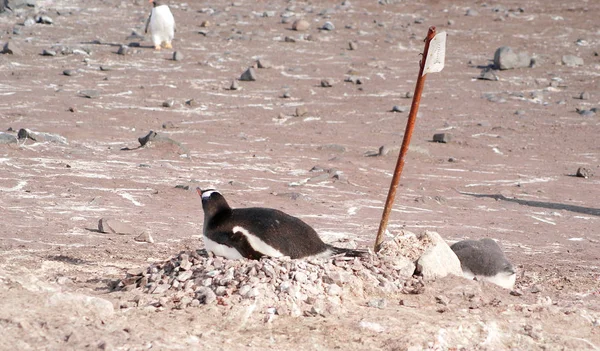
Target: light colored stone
pixel 438 260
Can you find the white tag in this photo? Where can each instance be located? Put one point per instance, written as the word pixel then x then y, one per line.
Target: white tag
pixel 436 54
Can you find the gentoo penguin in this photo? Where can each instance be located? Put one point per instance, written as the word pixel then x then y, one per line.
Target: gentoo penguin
pixel 256 232
pixel 161 24
pixel 483 259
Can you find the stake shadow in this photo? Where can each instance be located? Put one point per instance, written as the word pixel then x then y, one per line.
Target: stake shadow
pixel 542 204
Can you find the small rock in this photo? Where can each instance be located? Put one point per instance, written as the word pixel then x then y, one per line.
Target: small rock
pixel 48 53
pixel 301 111
pixel 29 21
pixel 442 137
pixel 7 138
pixel 333 147
pixel 438 260
pixel 289 39
pixel 123 50
pixel 409 94
pixel 262 63
pixel 168 125
pixel 353 45
pixel 205 295
pixel 105 68
pixel 397 108
pixel 168 103
pixel 488 74
pixel 235 85
pixel 583 172
pixel 585 95
pixel 300 25
pixel 286 95
pixel 12 49
pixel 248 75
pixel 44 20
pixel 505 58
pixel 269 14
pixel 69 72
pixel 112 226
pixel 328 26
pixel 144 238
pixel 471 12
pixel 572 61
pixel 177 56
pixel 90 94
pixel 205 24
pixel 326 83
pixel 377 303
pixel 191 103
pixel 516 292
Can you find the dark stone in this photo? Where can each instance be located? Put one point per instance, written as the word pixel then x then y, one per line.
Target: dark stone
pixel 326 83
pixel 248 75
pixel 70 72
pixel 147 138
pixel 442 137
pixel 583 172
pixel 123 50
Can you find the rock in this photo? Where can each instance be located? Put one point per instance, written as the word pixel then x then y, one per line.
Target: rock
pixel 328 26
pixel 397 108
pixel 41 136
pixel 488 74
pixel 584 95
pixel 123 50
pixel 442 138
pixel 386 150
pixel 44 19
pixel 235 85
pixel 269 14
pixel 177 56
pixel 70 72
pixel 300 25
pixel 205 24
pixel 583 172
pixel 590 112
pixel 29 21
pixel 7 138
pixel 263 63
pixel 372 326
pixel 144 238
pixel 326 83
pixel 12 49
pixel 105 68
pixel 286 95
pixel 572 60
pixel 168 103
pixel 168 125
pixel 205 295
pixel 248 75
pixel 352 45
pixel 90 93
pixel 333 147
pixel 48 53
pixel 289 39
pixel 438 260
pixel 147 138
pixel 377 303
pixel 112 226
pixel 301 111
pixel 408 94
pixel 471 12
pixel 79 304
pixel 505 58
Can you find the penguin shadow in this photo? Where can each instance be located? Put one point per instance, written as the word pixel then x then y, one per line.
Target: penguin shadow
pixel 541 204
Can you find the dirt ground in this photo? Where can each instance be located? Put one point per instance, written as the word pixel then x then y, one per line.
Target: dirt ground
pixel 508 172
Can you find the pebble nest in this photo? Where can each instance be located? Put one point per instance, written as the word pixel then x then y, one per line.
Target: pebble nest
pixel 282 286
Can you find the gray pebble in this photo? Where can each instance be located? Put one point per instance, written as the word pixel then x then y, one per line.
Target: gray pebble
pixel 442 138
pixel 7 138
pixel 301 111
pixel 90 93
pixel 585 95
pixel 353 45
pixel 263 63
pixel 583 172
pixel 505 58
pixel 48 53
pixel 235 85
pixel 488 74
pixel 177 56
pixel 123 50
pixel 16 31
pixel 328 26
pixel 397 108
pixel 12 49
pixel 29 21
pixel 326 83
pixel 70 72
pixel 408 94
pixel 248 75
pixel 471 12
pixel 572 60
pixel 168 103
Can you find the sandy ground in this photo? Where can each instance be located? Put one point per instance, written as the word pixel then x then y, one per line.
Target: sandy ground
pixel 508 172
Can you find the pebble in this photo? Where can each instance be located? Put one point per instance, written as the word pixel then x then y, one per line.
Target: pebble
pixel 505 58
pixel 326 83
pixel 112 226
pixel 572 60
pixel 235 85
pixel 46 52
pixel 12 49
pixel 144 238
pixel 90 93
pixel 123 50
pixel 286 95
pixel 584 95
pixel 397 108
pixel 442 137
pixel 263 63
pixel 328 26
pixel 583 172
pixel 352 45
pixel 168 103
pixel 248 75
pixel 300 25
pixel 488 74
pixel 29 21
pixel 44 19
pixel 301 111
pixel 471 12
pixel 70 72
pixel 177 56
pixel 7 138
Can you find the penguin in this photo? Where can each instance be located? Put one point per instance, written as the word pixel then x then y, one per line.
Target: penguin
pixel 483 259
pixel 256 232
pixel 161 24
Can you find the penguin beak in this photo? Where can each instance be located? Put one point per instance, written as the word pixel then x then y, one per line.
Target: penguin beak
pixel 199 191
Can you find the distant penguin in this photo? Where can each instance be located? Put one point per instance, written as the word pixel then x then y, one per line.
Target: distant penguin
pixel 256 232
pixel 161 24
pixel 483 259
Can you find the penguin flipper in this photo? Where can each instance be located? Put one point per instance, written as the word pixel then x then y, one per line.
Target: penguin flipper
pixel 347 252
pixel 241 244
pixel 147 24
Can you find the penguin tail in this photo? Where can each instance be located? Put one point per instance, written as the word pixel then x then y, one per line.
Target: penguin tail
pixel 340 251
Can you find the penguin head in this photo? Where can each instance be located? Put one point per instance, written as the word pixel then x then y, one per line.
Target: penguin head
pixel 212 202
pixel 154 3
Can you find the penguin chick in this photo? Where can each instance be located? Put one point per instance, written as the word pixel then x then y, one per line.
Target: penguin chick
pixel 256 232
pixel 161 24
pixel 483 259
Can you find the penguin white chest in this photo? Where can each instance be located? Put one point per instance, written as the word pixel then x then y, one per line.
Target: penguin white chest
pixel 162 25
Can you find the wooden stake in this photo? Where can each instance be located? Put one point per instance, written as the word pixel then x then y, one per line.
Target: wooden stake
pixel 410 126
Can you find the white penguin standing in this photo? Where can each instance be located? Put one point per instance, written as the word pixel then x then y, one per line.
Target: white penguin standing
pixel 161 24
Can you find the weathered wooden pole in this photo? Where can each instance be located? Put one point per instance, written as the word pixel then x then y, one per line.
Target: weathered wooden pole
pixel 410 125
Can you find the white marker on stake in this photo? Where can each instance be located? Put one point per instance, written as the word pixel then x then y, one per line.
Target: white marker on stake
pixel 434 62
